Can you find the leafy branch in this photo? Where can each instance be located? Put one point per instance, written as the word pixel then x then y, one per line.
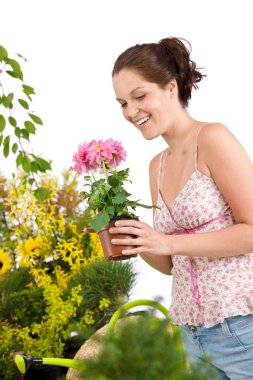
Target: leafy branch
pixel 17 120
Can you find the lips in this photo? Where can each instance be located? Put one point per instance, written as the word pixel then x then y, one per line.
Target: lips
pixel 141 121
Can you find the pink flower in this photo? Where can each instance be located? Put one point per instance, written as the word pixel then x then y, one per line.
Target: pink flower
pixel 81 159
pixel 98 151
pixel 118 152
pixel 90 156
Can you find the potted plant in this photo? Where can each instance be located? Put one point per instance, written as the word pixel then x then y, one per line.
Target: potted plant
pixel 106 196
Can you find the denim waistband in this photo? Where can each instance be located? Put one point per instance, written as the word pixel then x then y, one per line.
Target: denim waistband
pixel 226 326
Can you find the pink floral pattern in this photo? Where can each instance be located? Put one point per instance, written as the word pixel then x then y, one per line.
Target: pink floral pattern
pixel 225 285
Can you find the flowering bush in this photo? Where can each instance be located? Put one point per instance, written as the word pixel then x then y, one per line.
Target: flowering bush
pixel 106 197
pixel 53 279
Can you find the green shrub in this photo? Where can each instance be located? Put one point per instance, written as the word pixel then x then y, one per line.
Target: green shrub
pixel 144 348
pixel 21 300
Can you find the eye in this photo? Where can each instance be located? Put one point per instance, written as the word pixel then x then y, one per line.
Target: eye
pixel 140 97
pixel 123 105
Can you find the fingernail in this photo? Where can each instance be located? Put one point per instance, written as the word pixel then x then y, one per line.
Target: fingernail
pixel 111 230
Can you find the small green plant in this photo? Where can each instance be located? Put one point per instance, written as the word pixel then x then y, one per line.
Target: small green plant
pixel 106 197
pixel 105 286
pixel 144 348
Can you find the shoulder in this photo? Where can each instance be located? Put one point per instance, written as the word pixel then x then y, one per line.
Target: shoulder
pixel 213 132
pixel 155 162
pixel 216 137
pixel 219 148
pixel 154 174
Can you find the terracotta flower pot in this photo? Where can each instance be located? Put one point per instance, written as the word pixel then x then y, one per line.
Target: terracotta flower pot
pixel 111 251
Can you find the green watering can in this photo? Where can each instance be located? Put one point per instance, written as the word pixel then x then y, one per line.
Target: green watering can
pixel 24 362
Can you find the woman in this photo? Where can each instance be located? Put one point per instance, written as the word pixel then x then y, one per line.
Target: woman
pixel 203 185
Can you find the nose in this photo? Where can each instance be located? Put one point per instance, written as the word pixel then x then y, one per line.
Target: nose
pixel 131 111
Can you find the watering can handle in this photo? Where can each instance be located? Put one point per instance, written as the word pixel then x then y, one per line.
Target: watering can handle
pixel 123 309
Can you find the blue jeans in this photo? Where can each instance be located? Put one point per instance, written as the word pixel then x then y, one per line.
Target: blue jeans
pixel 229 345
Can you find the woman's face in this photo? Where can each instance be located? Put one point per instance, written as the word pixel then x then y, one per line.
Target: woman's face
pixel 144 104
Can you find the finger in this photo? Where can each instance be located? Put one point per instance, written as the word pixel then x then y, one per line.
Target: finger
pixel 124 242
pixel 125 230
pixel 133 251
pixel 129 223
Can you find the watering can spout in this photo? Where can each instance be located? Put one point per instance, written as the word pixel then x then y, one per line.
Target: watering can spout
pixel 24 362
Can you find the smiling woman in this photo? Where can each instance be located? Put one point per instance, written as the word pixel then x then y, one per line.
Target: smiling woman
pixel 202 184
pixel 141 102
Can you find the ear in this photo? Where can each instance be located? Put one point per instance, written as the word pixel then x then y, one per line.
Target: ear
pixel 172 87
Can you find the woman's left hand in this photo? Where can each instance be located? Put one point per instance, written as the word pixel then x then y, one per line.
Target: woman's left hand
pixel 148 240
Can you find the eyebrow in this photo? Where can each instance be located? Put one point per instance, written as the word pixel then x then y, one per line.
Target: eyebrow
pixel 137 88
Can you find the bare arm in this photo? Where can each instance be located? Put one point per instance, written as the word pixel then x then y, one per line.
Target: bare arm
pixel 160 262
pixel 232 172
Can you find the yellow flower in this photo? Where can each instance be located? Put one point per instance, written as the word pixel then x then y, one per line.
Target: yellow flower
pixel 33 249
pixel 88 318
pixel 5 262
pixel 33 246
pixel 97 247
pixel 104 303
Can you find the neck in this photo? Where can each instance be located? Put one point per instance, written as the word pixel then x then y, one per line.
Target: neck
pixel 180 131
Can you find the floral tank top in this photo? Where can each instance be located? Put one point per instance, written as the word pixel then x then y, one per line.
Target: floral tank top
pixel 205 290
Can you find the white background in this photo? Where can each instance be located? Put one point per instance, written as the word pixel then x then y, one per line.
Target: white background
pixel 71 46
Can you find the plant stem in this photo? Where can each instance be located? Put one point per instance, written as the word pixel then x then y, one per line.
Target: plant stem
pixel 104 169
pixel 106 177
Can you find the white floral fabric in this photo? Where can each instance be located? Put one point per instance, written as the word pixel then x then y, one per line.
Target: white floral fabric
pixel 204 290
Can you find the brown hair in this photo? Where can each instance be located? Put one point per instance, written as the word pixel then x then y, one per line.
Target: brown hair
pixel 162 62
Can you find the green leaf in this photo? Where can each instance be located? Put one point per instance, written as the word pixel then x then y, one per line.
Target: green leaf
pixel 6 146
pixel 43 164
pixel 111 211
pixel 41 193
pixel 23 103
pixel 14 148
pixel 17 132
pixel 19 159
pixel 99 221
pixel 36 119
pixel 26 164
pixel 30 127
pixel 15 74
pixel 28 90
pixel 2 123
pixel 12 121
pixel 145 206
pixel 14 64
pixel 3 53
pixel 7 100
pixel 31 181
pixel 25 134
pixel 21 56
pixel 1 139
pixel 119 198
pixel 34 167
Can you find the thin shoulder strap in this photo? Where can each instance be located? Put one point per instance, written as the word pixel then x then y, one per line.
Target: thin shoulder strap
pixel 196 147
pixel 160 170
